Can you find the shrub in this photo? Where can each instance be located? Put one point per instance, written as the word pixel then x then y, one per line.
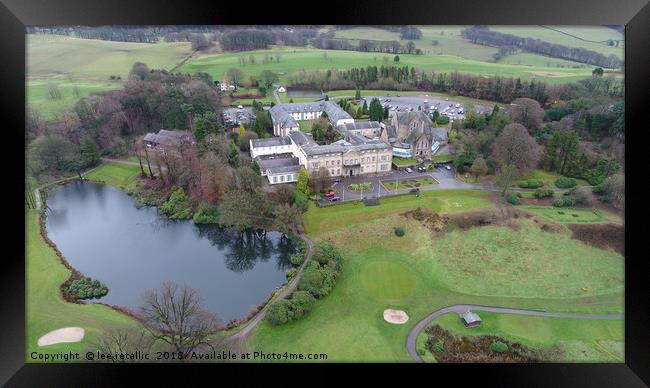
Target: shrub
pixel 297 259
pixel 301 303
pixel 531 184
pixel 279 312
pixel 543 193
pixel 565 183
pixel 513 199
pixel 439 346
pixel 582 195
pixel 326 252
pixel 291 273
pixel 399 232
pixel 206 214
pixel 177 206
pixel 564 202
pixel 317 280
pixel 499 347
pixel 86 288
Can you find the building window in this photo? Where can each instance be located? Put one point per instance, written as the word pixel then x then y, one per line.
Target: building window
pixel 338 162
pixel 338 171
pixel 373 158
pixel 275 179
pixel 281 178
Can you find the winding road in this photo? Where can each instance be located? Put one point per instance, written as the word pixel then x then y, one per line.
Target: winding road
pixel 461 308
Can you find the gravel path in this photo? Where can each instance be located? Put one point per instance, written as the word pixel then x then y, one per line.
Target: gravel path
pixel 461 308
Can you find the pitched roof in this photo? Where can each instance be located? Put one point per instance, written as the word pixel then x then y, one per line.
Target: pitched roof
pixel 470 317
pixel 169 138
pixel 270 142
pixel 281 113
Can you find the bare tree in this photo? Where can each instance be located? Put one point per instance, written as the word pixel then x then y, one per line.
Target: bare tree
pixel 527 112
pixel 123 340
pixel 176 315
pixel 515 146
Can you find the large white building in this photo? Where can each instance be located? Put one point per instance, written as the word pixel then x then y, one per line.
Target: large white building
pixel 360 152
pixel 286 116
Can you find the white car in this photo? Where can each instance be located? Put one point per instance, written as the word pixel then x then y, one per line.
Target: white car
pixel 448 167
pixel 408 169
pixel 457 105
pixel 240 107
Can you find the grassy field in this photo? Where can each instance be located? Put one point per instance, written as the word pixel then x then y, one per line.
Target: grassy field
pixel 46 310
pixel 331 218
pixel 573 216
pixel 449 42
pixel 87 64
pixel 593 33
pixel 115 174
pixel 71 91
pixel 529 59
pixel 293 60
pixel 419 274
pixel 58 56
pixel 599 340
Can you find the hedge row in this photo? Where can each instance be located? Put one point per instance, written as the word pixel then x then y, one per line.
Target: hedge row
pixel 564 202
pixel 531 184
pixel 565 183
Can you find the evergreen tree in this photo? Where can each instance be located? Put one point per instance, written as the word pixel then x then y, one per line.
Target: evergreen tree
pixel 303 181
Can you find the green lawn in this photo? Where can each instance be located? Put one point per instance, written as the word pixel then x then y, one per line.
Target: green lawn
pixel 573 216
pixel 115 174
pixel 530 59
pixel 305 125
pixel 398 162
pixel 71 90
pixel 593 33
pixel 593 340
pixel 296 59
pixel 548 178
pixel 334 217
pixel 409 183
pixel 46 310
pixel 419 275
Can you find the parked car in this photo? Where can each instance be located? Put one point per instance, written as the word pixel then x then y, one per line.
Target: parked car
pixel 422 169
pixel 336 180
pixel 457 105
pixel 408 169
pixel 333 199
pixel 448 167
pixel 330 194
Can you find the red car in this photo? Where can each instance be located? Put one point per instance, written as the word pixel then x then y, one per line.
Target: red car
pixel 330 194
pixel 332 199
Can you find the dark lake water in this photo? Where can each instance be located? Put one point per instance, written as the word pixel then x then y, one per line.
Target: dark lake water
pixel 103 235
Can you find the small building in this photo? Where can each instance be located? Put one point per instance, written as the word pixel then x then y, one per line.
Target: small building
pixel 169 139
pixel 281 89
pixel 470 319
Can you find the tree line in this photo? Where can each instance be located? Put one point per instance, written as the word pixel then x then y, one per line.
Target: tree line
pixel 365 45
pixel 509 43
pixel 493 88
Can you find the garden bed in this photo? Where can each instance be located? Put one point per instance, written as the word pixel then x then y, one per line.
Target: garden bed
pixel 415 183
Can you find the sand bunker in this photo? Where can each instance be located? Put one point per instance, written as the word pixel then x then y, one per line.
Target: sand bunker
pixel 397 317
pixel 66 334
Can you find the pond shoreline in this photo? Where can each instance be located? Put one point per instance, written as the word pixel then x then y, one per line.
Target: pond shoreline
pixel 76 274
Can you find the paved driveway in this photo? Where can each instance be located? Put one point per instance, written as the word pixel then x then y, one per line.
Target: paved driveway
pixel 445 178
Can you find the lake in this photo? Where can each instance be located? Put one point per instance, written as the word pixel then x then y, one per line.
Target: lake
pixel 105 236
